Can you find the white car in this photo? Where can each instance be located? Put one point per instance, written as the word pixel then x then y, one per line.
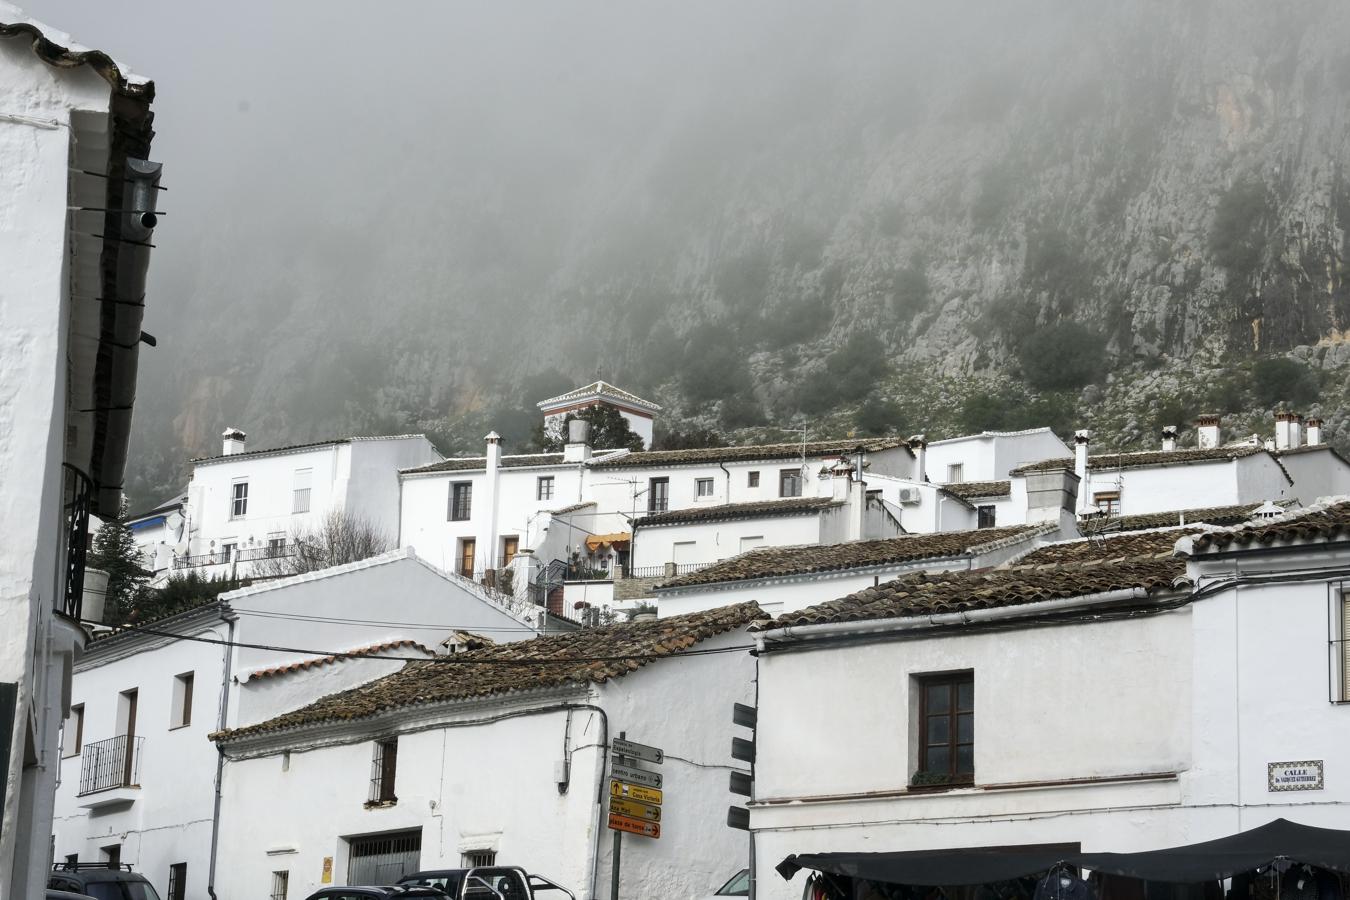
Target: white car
pixel 737 886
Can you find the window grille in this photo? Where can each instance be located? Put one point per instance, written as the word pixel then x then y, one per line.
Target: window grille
pixel 658 495
pixel 300 495
pixel 956 473
pixel 177 881
pixel 280 882
pixel 984 517
pixel 382 770
pixel 475 859
pixel 384 858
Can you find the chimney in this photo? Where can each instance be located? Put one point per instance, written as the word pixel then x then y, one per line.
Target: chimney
pixel 1207 431
pixel 578 446
pixel 232 441
pixel 919 447
pixel 488 538
pixel 1053 497
pixel 1080 462
pixel 1295 432
pixel 1314 432
pixel 1169 438
pixel 841 477
pixel 1283 428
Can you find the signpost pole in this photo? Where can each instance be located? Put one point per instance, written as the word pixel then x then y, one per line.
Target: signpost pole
pixel 618 854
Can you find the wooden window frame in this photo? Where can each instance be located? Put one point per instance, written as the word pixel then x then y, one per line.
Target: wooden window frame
pixel 1111 499
pixel 76 714
pixel 542 482
pixel 182 698
pixel 461 507
pixel 510 548
pixel 384 773
pixel 652 505
pixel 986 516
pixel 752 479
pixel 790 475
pixel 923 776
pixel 468 553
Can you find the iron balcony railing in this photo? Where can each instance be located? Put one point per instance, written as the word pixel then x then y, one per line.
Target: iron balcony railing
pixel 77 493
pixel 114 763
pixel 220 558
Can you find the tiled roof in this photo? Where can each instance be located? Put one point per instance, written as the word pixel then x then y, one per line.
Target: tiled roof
pixel 291 448
pixel 57 49
pixel 1324 521
pixel 316 661
pixel 598 388
pixel 1144 459
pixel 1106 547
pixel 969 490
pixel 993 434
pixel 575 507
pixel 472 463
pixel 924 594
pixel 814 450
pixel 771 562
pixel 1210 515
pixel 590 656
pixel 725 511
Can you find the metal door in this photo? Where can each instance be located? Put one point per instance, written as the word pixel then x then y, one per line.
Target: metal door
pixel 384 858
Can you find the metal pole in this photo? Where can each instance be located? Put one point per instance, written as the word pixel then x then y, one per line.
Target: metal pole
pixel 618 854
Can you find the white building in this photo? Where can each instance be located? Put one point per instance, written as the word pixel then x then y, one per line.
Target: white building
pixel 246 505
pixel 161 534
pixel 480 758
pixel 637 412
pixel 1105 693
pixel 137 773
pixel 989 455
pixel 74 134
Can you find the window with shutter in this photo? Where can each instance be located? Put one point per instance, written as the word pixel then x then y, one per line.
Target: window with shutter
pixel 1345 646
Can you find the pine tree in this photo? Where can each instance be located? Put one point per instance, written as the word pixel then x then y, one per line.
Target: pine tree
pixel 115 552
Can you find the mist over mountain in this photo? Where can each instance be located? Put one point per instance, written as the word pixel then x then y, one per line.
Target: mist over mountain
pixel 868 216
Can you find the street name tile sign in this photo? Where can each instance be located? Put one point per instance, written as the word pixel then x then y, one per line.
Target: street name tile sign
pixel 634 792
pixel 634 826
pixel 1304 775
pixel 634 810
pixel 635 776
pixel 634 750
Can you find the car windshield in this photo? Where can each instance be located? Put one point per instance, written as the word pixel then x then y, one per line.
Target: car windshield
pixel 738 886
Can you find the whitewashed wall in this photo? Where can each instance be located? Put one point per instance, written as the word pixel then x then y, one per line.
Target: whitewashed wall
pixel 992 455
pixel 1319 473
pixel 1251 479
pixel 712 541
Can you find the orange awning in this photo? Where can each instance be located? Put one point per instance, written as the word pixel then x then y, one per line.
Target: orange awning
pixel 596 541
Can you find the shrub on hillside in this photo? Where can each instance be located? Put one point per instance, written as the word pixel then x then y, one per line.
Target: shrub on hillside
pixel 1062 356
pixel 1283 380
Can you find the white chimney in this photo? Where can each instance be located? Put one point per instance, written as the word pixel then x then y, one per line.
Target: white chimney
pixel 1314 432
pixel 1169 438
pixel 1295 432
pixel 1080 466
pixel 1207 432
pixel 232 441
pixel 1052 498
pixel 488 538
pixel 918 445
pixel 1283 428
pixel 841 477
pixel 578 446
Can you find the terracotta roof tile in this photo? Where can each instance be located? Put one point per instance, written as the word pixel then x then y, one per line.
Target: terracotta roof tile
pixel 1106 547
pixel 316 661
pixel 969 490
pixel 724 511
pixel 1324 521
pixel 924 594
pixel 1145 459
pixel 766 452
pixel 593 655
pixel 1210 515
pixel 769 562
pixel 471 463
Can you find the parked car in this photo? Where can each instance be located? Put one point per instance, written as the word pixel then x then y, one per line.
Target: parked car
pixel 376 892
pixel 486 883
pixel 66 895
pixel 102 881
pixel 737 886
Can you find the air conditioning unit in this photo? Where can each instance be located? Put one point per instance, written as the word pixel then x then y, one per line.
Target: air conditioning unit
pixel 909 495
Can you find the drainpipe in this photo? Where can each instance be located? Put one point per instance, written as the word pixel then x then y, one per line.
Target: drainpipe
pixel 723 467
pixel 221 722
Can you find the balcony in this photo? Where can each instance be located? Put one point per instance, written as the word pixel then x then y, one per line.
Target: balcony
pixel 77 493
pixel 110 772
pixel 220 558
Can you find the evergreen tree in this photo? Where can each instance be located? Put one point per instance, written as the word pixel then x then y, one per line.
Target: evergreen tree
pixel 609 431
pixel 115 552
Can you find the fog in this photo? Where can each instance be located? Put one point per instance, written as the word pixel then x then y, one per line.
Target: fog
pixel 387 217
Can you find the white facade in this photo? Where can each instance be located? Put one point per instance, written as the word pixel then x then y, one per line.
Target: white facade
pixel 1140 733
pixel 1159 488
pixel 990 455
pixel 247 502
pixel 56 121
pixel 470 779
pixel 161 534
pixel 165 815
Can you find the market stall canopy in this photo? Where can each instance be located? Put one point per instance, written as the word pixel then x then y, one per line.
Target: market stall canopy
pixel 596 541
pixel 1325 848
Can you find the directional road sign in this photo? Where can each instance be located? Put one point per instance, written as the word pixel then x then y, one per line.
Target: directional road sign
pixel 634 750
pixel 634 826
pixel 635 810
pixel 635 776
pixel 634 792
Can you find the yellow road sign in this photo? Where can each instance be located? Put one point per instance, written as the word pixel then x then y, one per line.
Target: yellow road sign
pixel 634 826
pixel 634 809
pixel 634 792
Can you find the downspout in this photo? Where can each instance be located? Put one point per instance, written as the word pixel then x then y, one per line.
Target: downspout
pixel 723 467
pixel 221 722
pixel 600 792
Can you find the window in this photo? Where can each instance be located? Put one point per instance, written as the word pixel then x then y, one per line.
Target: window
pixel 658 495
pixel 703 487
pixel 300 493
pixel 72 859
pixel 467 546
pixel 1107 502
pixel 473 859
pixel 946 729
pixel 177 881
pixel 956 473
pixel 74 732
pixel 510 547
pixel 280 882
pixel 1340 644
pixel 382 769
pixel 276 546
pixel 750 542
pixel 227 552
pixel 112 855
pixel 543 487
pixel 984 516
pixel 182 700
pixel 752 479
pixel 239 500
pixel 790 483
pixel 461 500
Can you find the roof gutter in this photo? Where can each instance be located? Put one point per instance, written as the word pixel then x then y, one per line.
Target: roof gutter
pixel 899 626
